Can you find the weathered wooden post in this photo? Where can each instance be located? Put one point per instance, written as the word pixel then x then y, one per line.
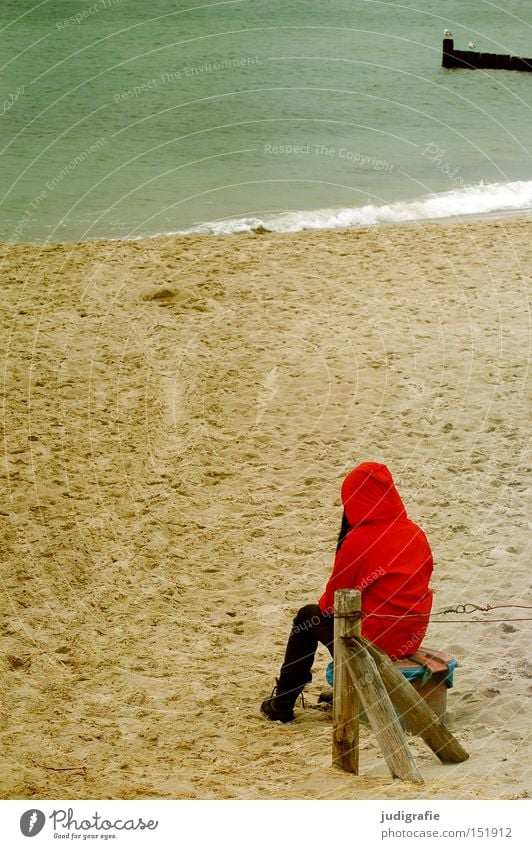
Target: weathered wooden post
pixel 346 703
pixel 380 712
pixel 358 667
pixel 421 719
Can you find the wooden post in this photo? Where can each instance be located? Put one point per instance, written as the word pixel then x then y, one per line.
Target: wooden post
pixel 380 712
pixel 447 53
pixel 421 719
pixel 346 704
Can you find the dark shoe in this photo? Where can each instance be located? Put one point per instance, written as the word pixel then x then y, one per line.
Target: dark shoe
pixel 326 697
pixel 277 710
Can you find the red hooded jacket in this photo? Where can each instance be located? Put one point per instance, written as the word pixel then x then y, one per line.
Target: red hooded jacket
pixel 385 556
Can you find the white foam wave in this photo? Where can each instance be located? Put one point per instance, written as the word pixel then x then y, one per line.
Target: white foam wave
pixel 481 199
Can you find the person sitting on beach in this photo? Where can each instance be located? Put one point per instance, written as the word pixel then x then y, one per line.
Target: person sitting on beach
pixel 385 556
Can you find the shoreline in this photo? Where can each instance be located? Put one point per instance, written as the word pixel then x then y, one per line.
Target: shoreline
pixel 451 220
pixel 179 413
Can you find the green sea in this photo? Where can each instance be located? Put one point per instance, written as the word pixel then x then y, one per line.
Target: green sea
pixel 124 118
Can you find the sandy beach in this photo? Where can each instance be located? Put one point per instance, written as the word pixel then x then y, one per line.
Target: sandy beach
pixel 178 415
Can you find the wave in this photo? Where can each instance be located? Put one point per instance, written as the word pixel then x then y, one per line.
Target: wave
pixel 480 199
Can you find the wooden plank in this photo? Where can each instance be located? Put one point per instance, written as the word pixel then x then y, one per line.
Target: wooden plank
pixel 380 712
pixel 421 719
pixel 346 704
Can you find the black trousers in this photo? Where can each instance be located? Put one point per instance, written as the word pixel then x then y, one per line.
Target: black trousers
pixel 310 627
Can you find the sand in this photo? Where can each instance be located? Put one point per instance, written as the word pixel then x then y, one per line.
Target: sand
pixel 179 414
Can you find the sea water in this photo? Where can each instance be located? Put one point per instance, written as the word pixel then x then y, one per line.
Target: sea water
pixel 123 118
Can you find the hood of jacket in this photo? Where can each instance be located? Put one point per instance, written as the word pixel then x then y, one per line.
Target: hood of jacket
pixel 369 495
